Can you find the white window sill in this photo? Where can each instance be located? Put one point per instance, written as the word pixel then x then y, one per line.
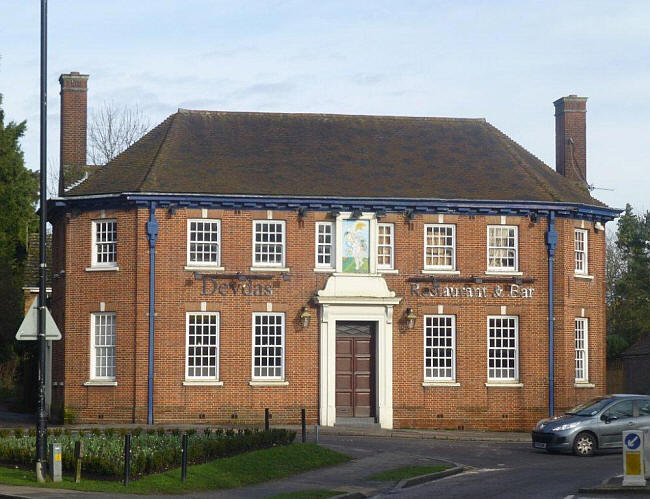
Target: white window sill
pixel 268 382
pixel 440 383
pixel 387 271
pixel 583 276
pixel 503 272
pixel 100 382
pixel 324 270
pixel 509 384
pixel 270 269
pixel 202 382
pixel 441 272
pixel 196 268
pixel 113 268
pixel 584 384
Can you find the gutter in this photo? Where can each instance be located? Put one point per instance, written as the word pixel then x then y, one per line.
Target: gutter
pixel 152 236
pixel 551 243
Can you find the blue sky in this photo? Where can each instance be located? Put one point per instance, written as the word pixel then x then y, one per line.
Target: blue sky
pixel 506 61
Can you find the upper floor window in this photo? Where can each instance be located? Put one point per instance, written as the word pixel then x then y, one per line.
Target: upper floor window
pixel 439 347
pixel 325 257
pixel 503 348
pixel 440 246
pixel 502 248
pixel 204 242
pixel 580 245
pixel 104 243
pixel 102 345
pixel 581 350
pixel 268 243
pixel 385 246
pixel 268 346
pixel 202 354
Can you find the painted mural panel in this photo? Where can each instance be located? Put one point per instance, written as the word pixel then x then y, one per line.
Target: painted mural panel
pixel 356 237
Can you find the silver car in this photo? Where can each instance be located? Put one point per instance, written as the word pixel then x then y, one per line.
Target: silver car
pixel 596 424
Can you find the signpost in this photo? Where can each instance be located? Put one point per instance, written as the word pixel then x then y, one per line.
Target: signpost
pixel 633 458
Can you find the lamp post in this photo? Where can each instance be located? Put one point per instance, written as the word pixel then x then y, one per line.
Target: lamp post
pixel 41 417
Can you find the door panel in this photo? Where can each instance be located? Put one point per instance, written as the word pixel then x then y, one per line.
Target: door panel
pixel 612 432
pixel 355 370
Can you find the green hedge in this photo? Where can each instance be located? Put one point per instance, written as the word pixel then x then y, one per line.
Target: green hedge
pixel 104 455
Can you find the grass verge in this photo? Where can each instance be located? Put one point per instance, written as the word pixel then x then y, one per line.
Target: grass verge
pixel 308 494
pixel 238 471
pixel 406 472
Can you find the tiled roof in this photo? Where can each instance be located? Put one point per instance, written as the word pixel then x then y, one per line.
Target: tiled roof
pixel 210 152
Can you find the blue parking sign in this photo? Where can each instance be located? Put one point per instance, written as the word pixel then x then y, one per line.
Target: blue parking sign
pixel 632 441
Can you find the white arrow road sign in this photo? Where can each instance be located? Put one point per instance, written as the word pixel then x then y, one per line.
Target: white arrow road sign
pixel 28 329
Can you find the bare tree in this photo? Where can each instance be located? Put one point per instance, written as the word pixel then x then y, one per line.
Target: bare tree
pixel 112 129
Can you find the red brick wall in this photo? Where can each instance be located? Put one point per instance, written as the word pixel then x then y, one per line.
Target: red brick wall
pixel 470 405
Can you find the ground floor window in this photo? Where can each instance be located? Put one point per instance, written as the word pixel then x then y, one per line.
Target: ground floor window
pixel 102 338
pixel 503 348
pixel 202 354
pixel 581 329
pixel 439 347
pixel 268 345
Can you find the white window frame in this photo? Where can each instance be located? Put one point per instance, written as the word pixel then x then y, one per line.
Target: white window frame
pixel 93 351
pixel 391 265
pixel 453 348
pixel 516 249
pixel 94 262
pixel 453 247
pixel 514 379
pixel 284 244
pixel 332 245
pixel 217 345
pixel 283 346
pixel 585 251
pixel 190 262
pixel 584 350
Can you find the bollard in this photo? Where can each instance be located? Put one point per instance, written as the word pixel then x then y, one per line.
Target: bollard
pixel 78 455
pixel 55 462
pixel 267 416
pixel 127 458
pixel 184 458
pixel 304 425
pixel 316 432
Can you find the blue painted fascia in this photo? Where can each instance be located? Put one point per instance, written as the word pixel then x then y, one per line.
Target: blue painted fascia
pixel 418 205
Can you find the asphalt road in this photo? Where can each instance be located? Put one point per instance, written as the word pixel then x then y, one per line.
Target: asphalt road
pixel 503 470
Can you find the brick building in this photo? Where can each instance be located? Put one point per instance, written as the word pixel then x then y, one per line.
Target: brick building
pixel 388 269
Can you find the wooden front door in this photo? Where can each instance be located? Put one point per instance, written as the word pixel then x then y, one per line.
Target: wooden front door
pixel 355 369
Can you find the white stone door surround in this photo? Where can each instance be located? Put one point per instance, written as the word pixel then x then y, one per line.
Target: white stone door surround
pixel 357 298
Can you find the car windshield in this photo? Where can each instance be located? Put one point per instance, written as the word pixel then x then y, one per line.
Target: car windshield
pixel 590 408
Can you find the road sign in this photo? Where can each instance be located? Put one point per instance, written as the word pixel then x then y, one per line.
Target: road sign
pixel 633 458
pixel 28 329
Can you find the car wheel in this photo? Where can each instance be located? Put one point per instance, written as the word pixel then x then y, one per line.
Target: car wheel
pixel 584 444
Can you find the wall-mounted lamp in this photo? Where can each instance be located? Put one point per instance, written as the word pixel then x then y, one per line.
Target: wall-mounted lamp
pixel 409 214
pixel 598 226
pixel 171 209
pixel 380 214
pixel 356 213
pixel 305 317
pixel 410 318
pixel 533 217
pixel 302 211
pixel 334 213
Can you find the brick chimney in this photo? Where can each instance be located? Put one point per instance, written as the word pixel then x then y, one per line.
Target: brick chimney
pixel 571 137
pixel 74 103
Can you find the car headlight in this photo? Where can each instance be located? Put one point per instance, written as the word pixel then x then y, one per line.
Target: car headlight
pixel 567 426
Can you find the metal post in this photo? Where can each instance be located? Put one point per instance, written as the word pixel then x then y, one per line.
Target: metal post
pixel 316 432
pixel 304 425
pixel 127 459
pixel 78 455
pixel 184 458
pixel 41 417
pixel 266 419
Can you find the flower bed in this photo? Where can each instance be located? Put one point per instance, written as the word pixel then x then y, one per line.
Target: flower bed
pixel 150 453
